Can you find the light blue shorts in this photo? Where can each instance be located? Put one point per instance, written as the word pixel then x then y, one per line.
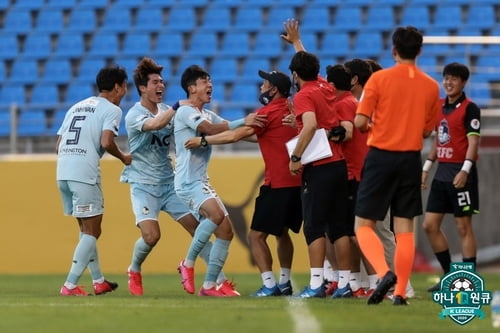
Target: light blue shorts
pixel 148 200
pixel 81 199
pixel 195 194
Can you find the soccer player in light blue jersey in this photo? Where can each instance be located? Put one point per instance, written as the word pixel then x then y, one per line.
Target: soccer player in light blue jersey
pixel 88 130
pixel 149 127
pixel 191 180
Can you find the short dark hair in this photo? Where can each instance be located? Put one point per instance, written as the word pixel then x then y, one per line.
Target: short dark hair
pixel 109 76
pixel 456 69
pixel 375 65
pixel 407 41
pixel 306 65
pixel 144 68
pixel 340 76
pixel 190 75
pixel 359 68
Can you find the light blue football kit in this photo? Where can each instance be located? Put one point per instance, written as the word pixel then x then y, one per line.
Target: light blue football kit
pixel 78 173
pixel 193 187
pixel 151 177
pixel 80 151
pixel 150 174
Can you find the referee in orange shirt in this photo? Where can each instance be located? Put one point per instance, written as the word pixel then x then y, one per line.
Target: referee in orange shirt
pixel 407 105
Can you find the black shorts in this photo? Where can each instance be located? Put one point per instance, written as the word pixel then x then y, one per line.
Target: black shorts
pixel 324 200
pixel 445 198
pixel 390 179
pixel 277 209
pixel 352 194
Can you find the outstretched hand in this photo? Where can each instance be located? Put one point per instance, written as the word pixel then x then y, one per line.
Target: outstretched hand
pixel 254 119
pixel 192 143
pixel 292 31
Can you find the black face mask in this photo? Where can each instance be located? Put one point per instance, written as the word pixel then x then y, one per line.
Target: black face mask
pixel 295 84
pixel 266 97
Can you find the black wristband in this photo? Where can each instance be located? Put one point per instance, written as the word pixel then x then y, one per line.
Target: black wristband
pixel 176 106
pixel 203 141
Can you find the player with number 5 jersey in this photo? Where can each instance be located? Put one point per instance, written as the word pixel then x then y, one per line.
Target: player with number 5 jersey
pixel 88 130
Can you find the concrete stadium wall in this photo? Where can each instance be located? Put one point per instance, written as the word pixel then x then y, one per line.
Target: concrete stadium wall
pixel 37 238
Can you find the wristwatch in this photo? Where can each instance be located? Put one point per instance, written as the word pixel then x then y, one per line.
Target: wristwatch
pixel 295 158
pixel 203 141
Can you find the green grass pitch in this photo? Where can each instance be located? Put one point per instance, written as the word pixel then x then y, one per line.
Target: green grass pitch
pixel 31 303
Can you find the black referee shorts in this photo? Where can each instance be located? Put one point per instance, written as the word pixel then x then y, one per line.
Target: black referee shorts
pixel 390 179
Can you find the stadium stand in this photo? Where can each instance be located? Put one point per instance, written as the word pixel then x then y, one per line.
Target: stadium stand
pixel 62 44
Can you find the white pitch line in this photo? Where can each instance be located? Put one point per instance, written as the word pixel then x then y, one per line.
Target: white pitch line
pixel 304 320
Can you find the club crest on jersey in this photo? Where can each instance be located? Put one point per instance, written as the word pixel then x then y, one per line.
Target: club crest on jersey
pixel 443 132
pixel 475 124
pixel 145 210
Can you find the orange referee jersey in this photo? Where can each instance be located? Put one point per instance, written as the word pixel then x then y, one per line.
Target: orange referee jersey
pixel 402 102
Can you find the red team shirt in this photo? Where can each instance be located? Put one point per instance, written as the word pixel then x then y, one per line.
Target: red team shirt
pixel 452 130
pixel 355 149
pixel 272 138
pixel 319 97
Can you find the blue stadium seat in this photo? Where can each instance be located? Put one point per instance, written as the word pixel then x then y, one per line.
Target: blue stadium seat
pixel 248 19
pixel 78 91
pixel 448 17
pixel 310 42
pixel 57 71
pixel 93 4
pixel 50 21
pixel 245 93
pixel 2 72
pixel 169 44
pixel 82 20
pixel 69 45
pixel 480 93
pixel 347 19
pixel 129 63
pixel 37 46
pixel 218 93
pixel 9 48
pixel 24 71
pixel 429 64
pixel 279 14
pixel 469 31
pixel 232 113
pixel 317 18
pixel 149 19
pixel 12 93
pixel 117 19
pixel 181 19
pixel 131 3
pixel 32 123
pixel 203 43
pixel 415 15
pixel 267 44
pixel 216 18
pixel 224 70
pixel 30 5
pixel 336 44
pixel 136 44
pixel 436 49
pixel 489 66
pixel 57 120
pixel 235 43
pixel 4 123
pixel 88 69
pixel 66 4
pixel 368 44
pixel 187 61
pixel 481 16
pixel 17 21
pixel 380 18
pixel 174 91
pixel 252 66
pixel 44 95
pixel 104 44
